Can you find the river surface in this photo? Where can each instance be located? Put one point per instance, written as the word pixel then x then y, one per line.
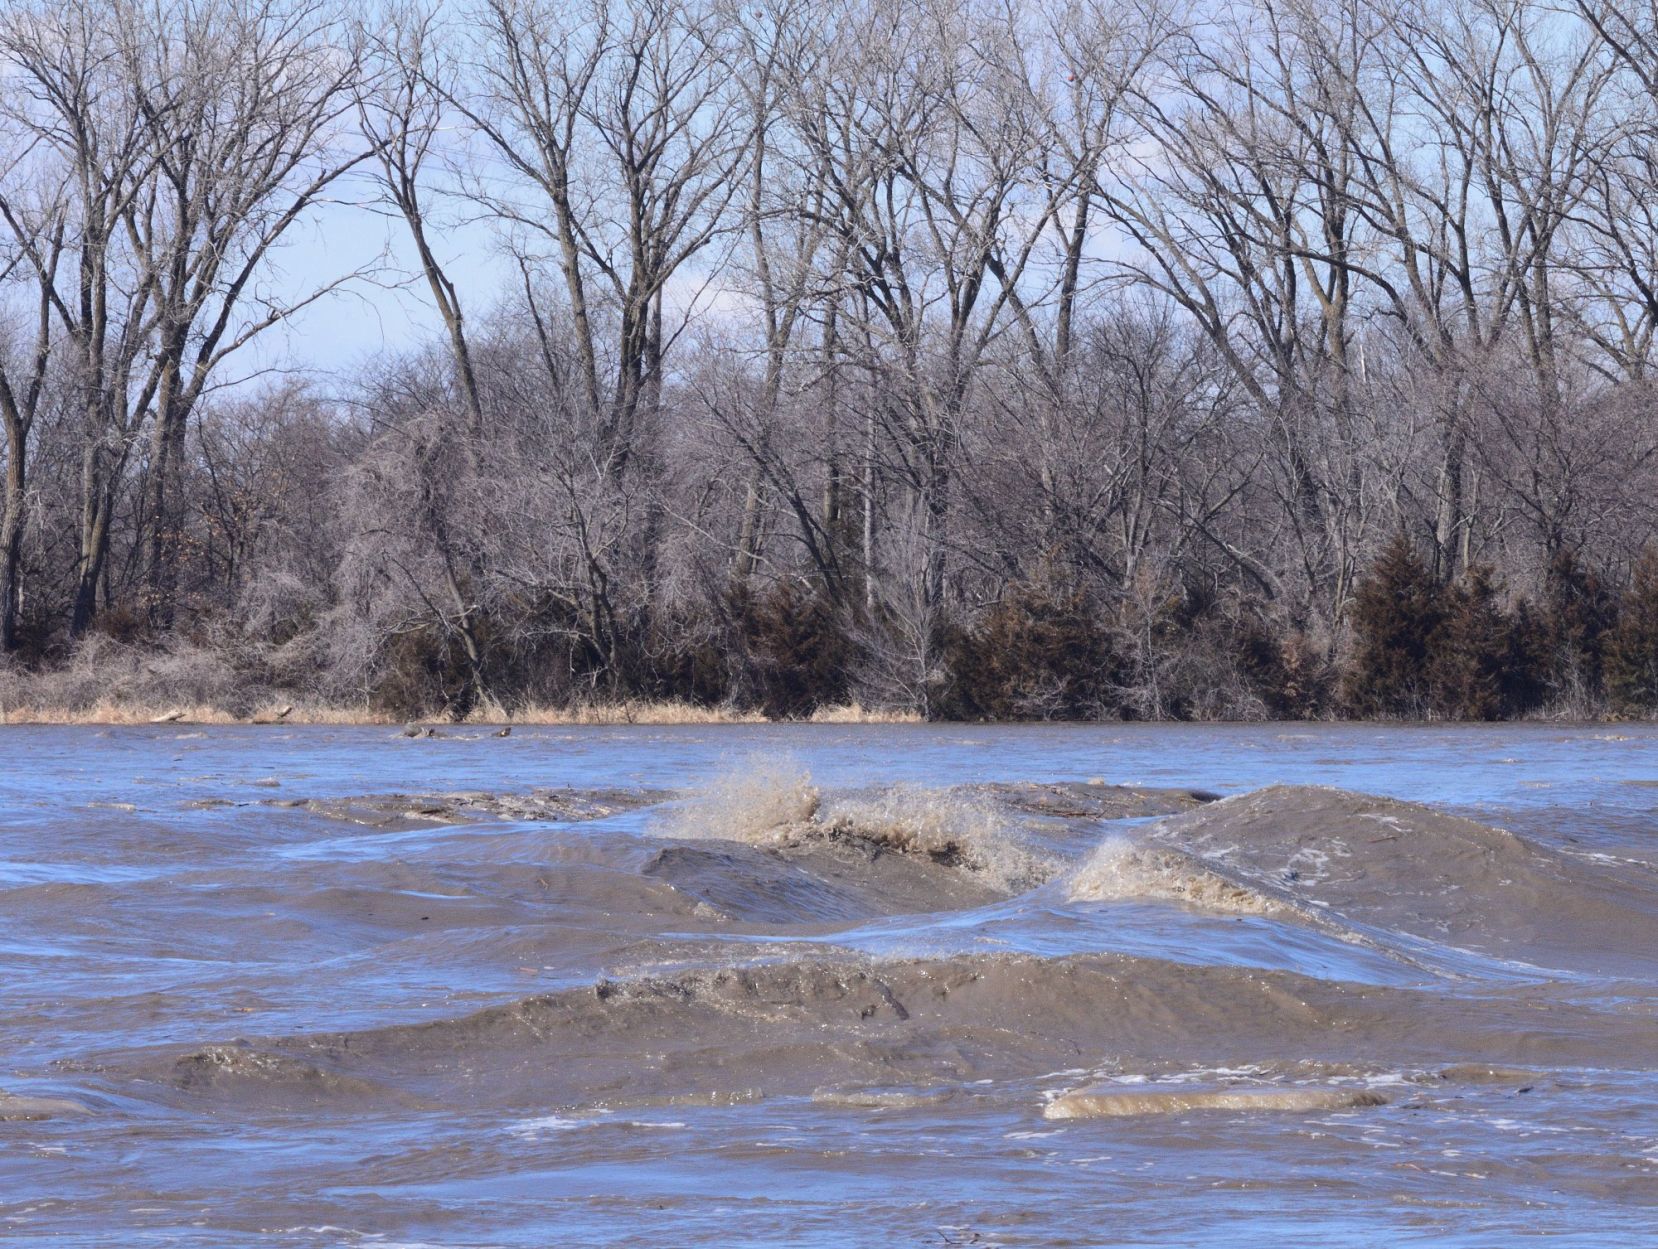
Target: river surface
pixel 826 985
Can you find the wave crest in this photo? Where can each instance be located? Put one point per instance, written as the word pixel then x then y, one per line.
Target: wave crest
pixel 1119 871
pixel 754 802
pixel 773 803
pixel 1117 1103
pixel 945 826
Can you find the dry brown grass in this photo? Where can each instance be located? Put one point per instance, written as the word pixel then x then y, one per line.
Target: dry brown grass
pixel 856 713
pixel 116 712
pixel 672 712
pixel 110 682
pixel 630 711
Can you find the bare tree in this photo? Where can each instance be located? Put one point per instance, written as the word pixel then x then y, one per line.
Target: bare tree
pixel 402 113
pixel 82 117
pixel 29 262
pixel 243 103
pixel 193 138
pixel 862 340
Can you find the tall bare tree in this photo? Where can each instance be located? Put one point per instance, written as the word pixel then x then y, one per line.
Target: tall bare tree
pixel 28 262
pixel 193 137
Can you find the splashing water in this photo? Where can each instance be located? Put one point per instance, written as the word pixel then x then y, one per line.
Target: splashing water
pixel 755 801
pixel 1119 871
pixel 771 801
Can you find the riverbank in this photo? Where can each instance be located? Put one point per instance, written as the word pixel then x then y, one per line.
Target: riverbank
pixel 109 683
pixel 279 712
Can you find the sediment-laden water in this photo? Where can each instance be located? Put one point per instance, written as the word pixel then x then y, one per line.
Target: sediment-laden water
pixel 829 986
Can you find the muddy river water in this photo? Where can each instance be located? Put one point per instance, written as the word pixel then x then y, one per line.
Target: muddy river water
pixel 829 985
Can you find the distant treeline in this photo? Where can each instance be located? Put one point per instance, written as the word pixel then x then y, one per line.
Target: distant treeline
pixel 1055 359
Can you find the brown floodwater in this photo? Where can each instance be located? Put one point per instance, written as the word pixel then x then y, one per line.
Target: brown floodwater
pixel 829 985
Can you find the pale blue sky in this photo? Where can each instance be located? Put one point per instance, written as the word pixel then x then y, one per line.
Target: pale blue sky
pixel 371 315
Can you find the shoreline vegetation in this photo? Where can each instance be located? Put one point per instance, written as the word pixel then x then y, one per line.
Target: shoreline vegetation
pixel 663 715
pixel 491 716
pixel 1414 649
pixel 979 362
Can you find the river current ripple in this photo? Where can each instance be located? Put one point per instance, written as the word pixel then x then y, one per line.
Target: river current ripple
pixel 829 985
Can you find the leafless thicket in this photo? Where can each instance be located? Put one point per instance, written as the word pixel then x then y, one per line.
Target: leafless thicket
pixel 1047 358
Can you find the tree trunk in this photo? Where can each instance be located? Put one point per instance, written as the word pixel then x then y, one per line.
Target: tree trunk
pixel 94 550
pixel 1450 520
pixel 11 538
pixel 161 501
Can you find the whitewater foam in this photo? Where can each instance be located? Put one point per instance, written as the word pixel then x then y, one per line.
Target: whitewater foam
pixel 897 1098
pixel 753 802
pixel 944 826
pixel 1120 1103
pixel 772 803
pixel 1120 871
